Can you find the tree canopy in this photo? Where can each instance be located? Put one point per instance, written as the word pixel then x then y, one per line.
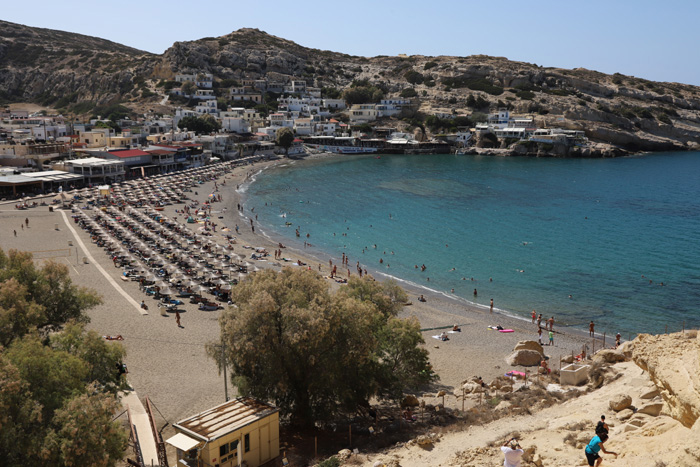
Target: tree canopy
pixel 362 92
pixel 34 297
pixel 52 411
pixel 316 353
pixel 57 393
pixel 285 138
pixel 205 124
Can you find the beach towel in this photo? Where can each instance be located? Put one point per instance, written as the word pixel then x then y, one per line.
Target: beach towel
pixel 437 337
pixel 517 374
pixel 506 330
pixel 453 332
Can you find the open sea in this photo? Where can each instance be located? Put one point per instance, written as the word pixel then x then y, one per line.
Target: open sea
pixel 579 239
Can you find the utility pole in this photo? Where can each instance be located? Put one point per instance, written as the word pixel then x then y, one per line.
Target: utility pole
pixel 223 362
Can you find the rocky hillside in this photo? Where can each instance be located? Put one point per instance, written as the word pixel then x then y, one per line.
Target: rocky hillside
pixel 61 68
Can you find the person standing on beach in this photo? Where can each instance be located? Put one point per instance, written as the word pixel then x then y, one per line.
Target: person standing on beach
pixel 534 316
pixel 26 221
pixel 539 320
pixel 539 335
pixel 177 318
pixel 491 303
pixel 551 337
pixel 591 329
pixel 551 323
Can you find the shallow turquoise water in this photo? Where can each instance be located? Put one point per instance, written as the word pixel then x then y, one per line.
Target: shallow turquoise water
pixel 542 229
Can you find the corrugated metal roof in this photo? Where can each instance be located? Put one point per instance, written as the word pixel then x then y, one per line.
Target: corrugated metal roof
pixel 225 418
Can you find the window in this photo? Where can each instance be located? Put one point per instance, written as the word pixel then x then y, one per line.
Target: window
pixel 246 442
pixel 223 450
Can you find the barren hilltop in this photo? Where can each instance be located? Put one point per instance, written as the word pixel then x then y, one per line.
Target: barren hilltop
pixel 74 73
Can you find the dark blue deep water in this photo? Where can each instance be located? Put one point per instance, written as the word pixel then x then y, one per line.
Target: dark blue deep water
pixel 598 230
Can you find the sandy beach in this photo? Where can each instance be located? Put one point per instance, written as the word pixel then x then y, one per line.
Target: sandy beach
pixel 169 364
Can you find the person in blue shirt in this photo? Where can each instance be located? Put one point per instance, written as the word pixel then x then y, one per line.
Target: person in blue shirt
pixel 594 447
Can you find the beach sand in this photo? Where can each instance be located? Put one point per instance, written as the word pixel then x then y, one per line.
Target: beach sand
pixel 169 364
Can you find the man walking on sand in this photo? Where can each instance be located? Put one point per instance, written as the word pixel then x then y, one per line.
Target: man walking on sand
pixel 591 329
pixel 512 452
pixel 177 318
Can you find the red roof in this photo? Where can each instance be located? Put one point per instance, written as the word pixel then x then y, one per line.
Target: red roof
pixel 129 153
pixel 161 152
pixel 333 120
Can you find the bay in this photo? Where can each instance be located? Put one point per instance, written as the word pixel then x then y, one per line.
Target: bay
pixel 577 239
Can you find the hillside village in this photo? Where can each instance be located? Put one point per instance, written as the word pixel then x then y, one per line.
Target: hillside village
pixel 205 127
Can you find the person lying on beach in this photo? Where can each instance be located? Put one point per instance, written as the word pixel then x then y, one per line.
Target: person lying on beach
pixel 118 337
pixel 443 336
pixel 456 328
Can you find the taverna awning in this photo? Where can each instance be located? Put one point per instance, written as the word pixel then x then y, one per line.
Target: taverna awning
pixel 182 442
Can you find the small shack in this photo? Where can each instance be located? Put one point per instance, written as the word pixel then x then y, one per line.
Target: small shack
pixel 240 432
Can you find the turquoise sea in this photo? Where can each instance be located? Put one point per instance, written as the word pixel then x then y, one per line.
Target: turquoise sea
pixel 579 239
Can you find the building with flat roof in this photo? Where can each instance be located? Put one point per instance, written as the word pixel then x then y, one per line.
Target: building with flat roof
pixel 242 431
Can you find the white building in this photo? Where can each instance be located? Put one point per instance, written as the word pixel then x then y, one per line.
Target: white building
pixel 334 104
pixel 207 107
pixel 235 124
pixel 363 113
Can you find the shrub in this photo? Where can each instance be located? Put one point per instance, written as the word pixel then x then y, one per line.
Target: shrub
pixel 330 462
pixel 408 92
pixel 429 65
pixel 663 118
pixel 525 95
pixel 414 77
pixel 480 84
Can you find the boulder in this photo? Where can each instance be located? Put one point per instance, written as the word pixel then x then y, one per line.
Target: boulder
pixel 609 356
pixel 529 345
pixel 625 414
pixel 651 408
pixel 524 358
pixel 649 393
pixel 409 400
pixel 567 359
pixel 620 402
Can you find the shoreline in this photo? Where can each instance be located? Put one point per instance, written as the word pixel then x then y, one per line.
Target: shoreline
pixel 486 356
pixel 317 254
pixel 156 346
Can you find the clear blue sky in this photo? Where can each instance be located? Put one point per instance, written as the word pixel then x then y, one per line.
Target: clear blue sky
pixel 656 40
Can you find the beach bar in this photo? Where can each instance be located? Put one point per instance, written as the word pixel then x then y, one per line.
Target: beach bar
pixel 240 432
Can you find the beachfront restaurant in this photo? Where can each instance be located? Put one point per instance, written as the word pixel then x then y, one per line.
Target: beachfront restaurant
pixel 241 432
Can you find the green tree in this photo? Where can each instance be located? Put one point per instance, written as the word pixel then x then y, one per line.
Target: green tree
pixel 101 357
pixel 44 297
pixel 53 375
pixel 285 138
pixel 204 124
pixel 188 88
pixel 84 433
pixel 315 353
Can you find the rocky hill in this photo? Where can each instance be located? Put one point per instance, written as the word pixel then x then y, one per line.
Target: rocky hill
pixel 61 70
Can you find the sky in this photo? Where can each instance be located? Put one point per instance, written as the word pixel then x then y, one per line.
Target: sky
pixel 653 40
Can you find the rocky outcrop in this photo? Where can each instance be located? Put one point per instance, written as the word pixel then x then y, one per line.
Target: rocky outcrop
pixel 524 358
pixel 620 402
pixel 529 345
pixel 673 364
